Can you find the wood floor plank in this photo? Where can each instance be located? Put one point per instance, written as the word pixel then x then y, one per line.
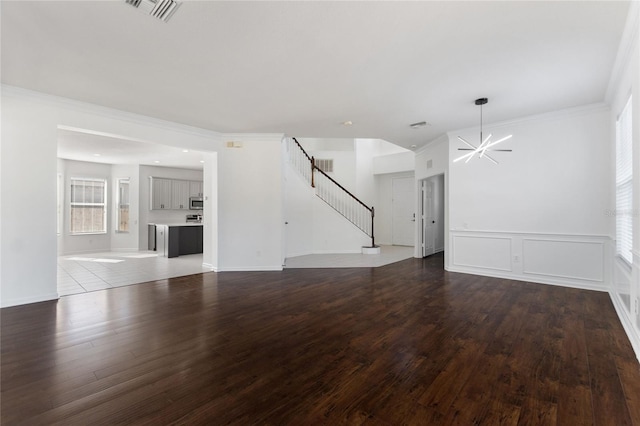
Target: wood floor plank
pixel 407 343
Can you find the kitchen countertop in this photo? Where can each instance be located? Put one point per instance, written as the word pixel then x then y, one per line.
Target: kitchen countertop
pixel 178 224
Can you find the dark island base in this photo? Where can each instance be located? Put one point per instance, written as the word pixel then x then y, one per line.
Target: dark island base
pixel 184 240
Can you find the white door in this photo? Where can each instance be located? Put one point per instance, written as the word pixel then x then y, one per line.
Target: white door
pixel 403 211
pixel 428 220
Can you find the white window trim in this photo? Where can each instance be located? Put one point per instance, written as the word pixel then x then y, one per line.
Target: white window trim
pixel 624 178
pixel 60 203
pixel 104 206
pixel 119 204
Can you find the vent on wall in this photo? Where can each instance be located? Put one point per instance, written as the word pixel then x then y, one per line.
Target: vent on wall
pixel 160 9
pixel 326 165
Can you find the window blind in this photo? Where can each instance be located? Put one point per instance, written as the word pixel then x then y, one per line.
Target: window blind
pixel 624 184
pixel 88 206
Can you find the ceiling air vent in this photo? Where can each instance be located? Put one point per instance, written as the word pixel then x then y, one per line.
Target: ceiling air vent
pixel 161 9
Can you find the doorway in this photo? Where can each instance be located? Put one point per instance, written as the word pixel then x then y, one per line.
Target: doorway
pixel 403 211
pixel 432 215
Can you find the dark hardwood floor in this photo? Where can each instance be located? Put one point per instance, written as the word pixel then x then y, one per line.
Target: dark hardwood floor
pixel 402 344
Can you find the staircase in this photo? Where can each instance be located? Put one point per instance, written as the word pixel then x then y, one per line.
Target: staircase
pixel 330 191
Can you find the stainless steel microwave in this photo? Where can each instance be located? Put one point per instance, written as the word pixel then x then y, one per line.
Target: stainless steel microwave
pixel 196 203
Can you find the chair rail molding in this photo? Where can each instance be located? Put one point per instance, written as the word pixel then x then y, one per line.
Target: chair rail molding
pixel 571 260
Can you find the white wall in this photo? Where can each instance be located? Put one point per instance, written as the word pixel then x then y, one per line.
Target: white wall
pixel 250 204
pixel 540 215
pixel 211 222
pixel 433 160
pixel 28 192
pixel 298 214
pixel 332 233
pixel 394 163
pixel 74 244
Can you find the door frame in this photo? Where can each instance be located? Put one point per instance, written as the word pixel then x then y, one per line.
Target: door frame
pixel 420 224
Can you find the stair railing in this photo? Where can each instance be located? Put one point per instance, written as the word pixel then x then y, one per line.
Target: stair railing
pixel 330 191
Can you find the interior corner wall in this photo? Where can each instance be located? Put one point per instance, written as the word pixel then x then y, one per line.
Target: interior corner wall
pixel 28 176
pixel 250 203
pixel 540 214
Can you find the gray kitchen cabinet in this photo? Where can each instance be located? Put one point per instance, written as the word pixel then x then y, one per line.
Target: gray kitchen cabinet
pixel 161 189
pixel 180 194
pixel 195 189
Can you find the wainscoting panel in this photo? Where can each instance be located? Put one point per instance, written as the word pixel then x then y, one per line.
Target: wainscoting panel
pixel 482 251
pixel 580 260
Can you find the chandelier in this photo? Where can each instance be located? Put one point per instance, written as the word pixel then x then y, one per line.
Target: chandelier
pixel 485 144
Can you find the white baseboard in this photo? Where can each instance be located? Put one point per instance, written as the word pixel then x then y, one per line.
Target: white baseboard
pixel 298 254
pixel 27 300
pixel 358 251
pixel 557 281
pixel 209 266
pixel 248 268
pixel 627 323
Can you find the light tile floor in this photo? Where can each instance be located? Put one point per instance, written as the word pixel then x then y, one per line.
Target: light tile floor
pixel 388 254
pixel 99 271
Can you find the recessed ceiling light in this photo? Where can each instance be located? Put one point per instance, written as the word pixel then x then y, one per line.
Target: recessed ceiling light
pixel 347 123
pixel 414 146
pixel 419 125
pixel 96 155
pixel 202 161
pixel 185 150
pixel 156 161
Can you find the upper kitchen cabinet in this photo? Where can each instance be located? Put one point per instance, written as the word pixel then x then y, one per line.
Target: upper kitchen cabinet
pixel 173 194
pixel 160 193
pixel 195 189
pixel 180 194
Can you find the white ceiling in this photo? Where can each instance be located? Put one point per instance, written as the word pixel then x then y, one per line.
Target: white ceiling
pixel 103 149
pixel 304 67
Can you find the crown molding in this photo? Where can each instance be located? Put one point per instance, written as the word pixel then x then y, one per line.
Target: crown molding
pixel 116 114
pixel 443 138
pixel 628 44
pixel 547 116
pixel 253 137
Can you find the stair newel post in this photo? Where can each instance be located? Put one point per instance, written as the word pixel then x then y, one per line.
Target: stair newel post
pixel 373 239
pixel 313 169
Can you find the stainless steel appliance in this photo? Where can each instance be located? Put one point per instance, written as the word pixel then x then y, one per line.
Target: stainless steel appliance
pixel 196 203
pixel 194 218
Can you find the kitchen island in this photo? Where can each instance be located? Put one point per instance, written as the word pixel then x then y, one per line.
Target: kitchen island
pixel 175 239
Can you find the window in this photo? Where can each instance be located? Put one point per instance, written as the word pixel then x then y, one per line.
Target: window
pixel 122 212
pixel 624 184
pixel 59 204
pixel 88 206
